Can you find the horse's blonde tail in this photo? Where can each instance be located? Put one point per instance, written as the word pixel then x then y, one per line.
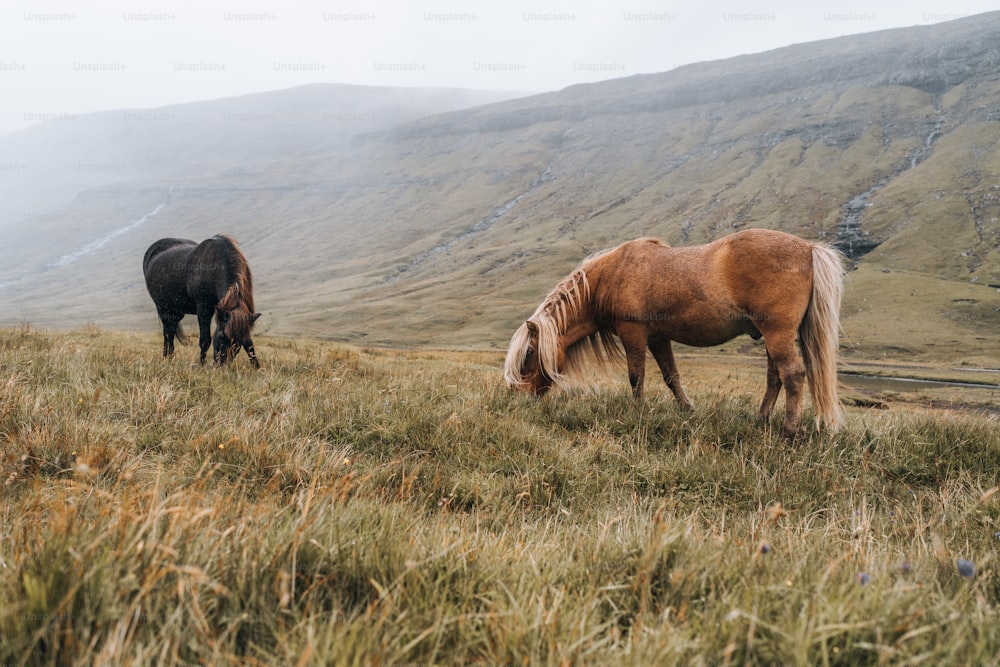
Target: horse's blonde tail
pixel 820 331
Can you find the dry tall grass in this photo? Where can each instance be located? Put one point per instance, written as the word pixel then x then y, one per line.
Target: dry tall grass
pixel 348 506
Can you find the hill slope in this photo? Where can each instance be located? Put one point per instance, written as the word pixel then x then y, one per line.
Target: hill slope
pixel 450 228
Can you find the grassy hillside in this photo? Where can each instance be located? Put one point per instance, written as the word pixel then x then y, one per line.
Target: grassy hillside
pixel 360 506
pixel 447 230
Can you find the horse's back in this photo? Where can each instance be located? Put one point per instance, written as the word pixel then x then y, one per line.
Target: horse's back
pixel 762 241
pixel 707 294
pixel 766 242
pixel 164 267
pixel 768 275
pixel 750 256
pixel 161 246
pixel 764 254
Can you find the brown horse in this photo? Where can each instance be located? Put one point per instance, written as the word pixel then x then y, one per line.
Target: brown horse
pixel 757 282
pixel 211 277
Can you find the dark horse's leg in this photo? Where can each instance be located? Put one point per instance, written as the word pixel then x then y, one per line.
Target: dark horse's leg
pixel 170 323
pixel 664 355
pixel 633 338
pixel 771 395
pixel 248 346
pixel 205 312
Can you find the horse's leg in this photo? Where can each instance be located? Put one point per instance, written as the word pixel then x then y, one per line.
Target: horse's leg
pixel 781 347
pixel 633 337
pixel 248 346
pixel 664 354
pixel 771 395
pixel 205 313
pixel 169 331
pixel 168 338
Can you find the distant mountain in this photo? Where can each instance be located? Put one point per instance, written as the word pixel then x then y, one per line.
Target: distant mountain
pixel 448 228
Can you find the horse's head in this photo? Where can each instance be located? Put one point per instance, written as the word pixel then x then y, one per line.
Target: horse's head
pixel 533 359
pixel 232 332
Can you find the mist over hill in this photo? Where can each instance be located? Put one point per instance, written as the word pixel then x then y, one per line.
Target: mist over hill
pixel 447 228
pixel 46 166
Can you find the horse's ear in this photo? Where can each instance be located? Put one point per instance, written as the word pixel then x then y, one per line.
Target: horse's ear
pixel 532 327
pixel 253 318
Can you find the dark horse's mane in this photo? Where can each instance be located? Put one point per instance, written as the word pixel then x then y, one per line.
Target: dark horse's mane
pixel 239 275
pixel 238 299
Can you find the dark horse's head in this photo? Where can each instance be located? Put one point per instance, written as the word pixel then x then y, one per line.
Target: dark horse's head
pixel 232 332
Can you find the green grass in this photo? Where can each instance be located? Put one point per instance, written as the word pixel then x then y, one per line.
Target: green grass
pixel 364 506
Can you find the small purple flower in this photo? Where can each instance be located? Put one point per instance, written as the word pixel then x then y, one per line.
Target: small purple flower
pixel 966 568
pixel 905 566
pixel 764 547
pixel 863 578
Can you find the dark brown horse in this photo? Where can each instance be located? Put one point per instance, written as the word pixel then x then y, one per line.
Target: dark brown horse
pixel 203 279
pixel 756 282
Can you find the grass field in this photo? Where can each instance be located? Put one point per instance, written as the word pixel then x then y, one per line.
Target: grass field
pixel 363 506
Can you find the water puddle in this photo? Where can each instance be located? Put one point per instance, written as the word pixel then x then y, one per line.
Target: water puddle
pixel 882 383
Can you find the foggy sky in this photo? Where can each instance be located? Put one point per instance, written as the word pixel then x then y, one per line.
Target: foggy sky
pixel 59 59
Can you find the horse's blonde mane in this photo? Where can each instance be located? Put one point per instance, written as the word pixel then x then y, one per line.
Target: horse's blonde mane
pixel 569 299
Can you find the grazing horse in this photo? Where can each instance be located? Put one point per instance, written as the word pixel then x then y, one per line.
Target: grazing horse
pixel 757 282
pixel 211 277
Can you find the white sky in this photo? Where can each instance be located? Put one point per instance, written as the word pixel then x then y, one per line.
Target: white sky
pixel 63 58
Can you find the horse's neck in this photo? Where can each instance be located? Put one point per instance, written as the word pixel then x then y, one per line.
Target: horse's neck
pixel 577 331
pixel 575 324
